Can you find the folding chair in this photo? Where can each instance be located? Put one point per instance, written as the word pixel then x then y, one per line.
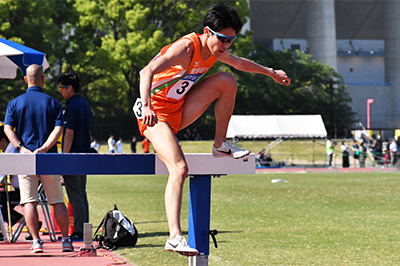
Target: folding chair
pixel 3 226
pixel 5 231
pixel 47 217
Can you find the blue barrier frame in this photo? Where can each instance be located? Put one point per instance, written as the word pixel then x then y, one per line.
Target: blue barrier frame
pixel 199 213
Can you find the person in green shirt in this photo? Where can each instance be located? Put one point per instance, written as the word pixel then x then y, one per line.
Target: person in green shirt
pixel 330 147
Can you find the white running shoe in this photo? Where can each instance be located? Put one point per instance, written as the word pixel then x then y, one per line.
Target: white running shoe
pixel 37 246
pixel 228 150
pixel 179 245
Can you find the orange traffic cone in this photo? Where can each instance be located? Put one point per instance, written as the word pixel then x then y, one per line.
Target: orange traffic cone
pixel 56 228
pixel 71 228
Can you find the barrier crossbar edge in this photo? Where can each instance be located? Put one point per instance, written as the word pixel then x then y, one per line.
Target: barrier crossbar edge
pixel 201 167
pixel 117 164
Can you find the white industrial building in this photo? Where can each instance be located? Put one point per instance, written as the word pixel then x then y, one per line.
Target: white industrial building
pixel 358 38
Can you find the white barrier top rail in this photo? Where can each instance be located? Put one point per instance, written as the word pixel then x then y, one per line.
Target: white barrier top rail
pixel 116 164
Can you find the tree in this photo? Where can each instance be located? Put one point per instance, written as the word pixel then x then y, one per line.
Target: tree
pixel 316 89
pixel 35 24
pixel 126 35
pixel 107 42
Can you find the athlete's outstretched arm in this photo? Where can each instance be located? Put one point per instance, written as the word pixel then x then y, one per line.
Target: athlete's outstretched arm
pixel 179 54
pixel 247 65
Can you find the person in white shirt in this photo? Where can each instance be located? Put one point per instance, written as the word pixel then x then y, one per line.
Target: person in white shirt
pixel 345 154
pixel 111 144
pixel 119 146
pixel 393 151
pixel 95 145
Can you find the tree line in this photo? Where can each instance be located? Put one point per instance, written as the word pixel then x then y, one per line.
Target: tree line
pixel 107 43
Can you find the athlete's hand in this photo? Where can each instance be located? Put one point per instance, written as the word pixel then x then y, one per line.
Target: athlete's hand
pixel 149 117
pixel 281 77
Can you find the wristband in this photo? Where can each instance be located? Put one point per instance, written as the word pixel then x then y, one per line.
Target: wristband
pixel 19 147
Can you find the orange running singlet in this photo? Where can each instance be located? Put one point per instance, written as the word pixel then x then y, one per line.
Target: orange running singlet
pixel 169 88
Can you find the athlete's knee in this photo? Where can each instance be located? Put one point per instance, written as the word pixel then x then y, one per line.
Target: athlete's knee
pixel 181 170
pixel 228 78
pixel 229 82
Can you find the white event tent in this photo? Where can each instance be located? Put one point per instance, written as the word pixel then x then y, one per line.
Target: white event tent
pixel 276 127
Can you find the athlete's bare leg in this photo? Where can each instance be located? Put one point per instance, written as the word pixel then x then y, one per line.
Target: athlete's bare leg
pixel 170 153
pixel 220 87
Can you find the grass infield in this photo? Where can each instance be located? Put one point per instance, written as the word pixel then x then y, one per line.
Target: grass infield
pixel 314 219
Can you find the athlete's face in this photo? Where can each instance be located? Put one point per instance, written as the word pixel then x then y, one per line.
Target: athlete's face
pixel 217 43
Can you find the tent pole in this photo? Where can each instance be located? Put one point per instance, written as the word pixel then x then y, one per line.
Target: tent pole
pixel 313 156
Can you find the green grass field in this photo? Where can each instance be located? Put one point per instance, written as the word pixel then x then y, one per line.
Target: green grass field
pixel 314 219
pixel 292 152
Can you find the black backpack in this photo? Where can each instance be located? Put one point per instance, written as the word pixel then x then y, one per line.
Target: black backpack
pixel 117 231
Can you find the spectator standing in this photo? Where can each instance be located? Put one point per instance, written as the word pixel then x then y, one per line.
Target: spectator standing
pixel 145 145
pixel 330 147
pixel 76 139
pixel 377 151
pixel 345 154
pixel 38 122
pixel 120 146
pixel 386 161
pixel 111 144
pixel 363 154
pixel 95 146
pixel 356 152
pixel 393 152
pixel 133 145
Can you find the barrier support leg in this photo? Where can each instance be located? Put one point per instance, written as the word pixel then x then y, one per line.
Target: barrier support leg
pixel 199 218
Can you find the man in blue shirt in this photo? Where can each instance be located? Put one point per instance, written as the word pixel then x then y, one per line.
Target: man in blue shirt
pixel 38 122
pixel 76 139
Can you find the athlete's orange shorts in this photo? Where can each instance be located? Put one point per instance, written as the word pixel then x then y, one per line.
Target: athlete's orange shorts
pixel 169 112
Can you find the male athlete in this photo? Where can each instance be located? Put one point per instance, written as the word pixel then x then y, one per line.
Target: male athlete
pixel 172 99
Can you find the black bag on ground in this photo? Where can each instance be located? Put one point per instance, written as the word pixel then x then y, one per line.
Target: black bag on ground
pixel 117 231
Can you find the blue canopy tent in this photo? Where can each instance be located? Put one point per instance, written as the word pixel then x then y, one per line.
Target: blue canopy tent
pixel 14 55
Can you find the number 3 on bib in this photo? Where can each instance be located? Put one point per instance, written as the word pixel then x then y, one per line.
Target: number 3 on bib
pixel 179 89
pixel 137 109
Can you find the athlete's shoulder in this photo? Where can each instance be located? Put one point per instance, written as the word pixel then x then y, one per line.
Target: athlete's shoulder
pixel 183 43
pixel 182 47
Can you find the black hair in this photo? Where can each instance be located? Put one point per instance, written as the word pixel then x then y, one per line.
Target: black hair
pixel 221 16
pixel 70 79
pixel 2 134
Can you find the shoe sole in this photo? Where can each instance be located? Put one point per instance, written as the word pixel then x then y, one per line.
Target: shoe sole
pixel 67 250
pixel 220 155
pixel 37 251
pixel 169 250
pixel 241 156
pixel 183 253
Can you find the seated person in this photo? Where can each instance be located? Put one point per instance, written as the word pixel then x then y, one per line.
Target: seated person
pixel 268 157
pixel 7 147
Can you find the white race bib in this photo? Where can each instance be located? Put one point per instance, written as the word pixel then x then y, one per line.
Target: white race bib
pixel 137 109
pixel 182 86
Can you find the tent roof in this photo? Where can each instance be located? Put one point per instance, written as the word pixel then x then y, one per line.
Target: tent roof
pixel 276 126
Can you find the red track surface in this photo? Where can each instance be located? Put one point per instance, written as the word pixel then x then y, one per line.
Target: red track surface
pixel 324 170
pixel 18 254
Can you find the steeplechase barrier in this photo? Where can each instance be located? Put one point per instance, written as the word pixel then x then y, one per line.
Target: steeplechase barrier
pixel 202 167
